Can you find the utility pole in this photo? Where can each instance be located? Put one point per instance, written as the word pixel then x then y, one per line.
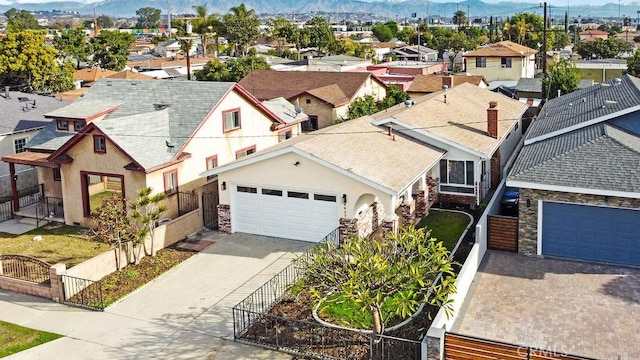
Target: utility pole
pixel 169 17
pixel 468 15
pixel 544 42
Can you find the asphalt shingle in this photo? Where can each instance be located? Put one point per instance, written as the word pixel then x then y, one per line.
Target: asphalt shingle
pixel 17 115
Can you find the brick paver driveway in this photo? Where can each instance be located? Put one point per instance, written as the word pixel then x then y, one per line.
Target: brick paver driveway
pixel 570 307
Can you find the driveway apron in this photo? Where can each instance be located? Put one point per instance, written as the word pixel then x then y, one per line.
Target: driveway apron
pixel 184 314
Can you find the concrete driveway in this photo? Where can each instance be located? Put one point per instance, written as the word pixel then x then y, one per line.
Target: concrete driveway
pixel 184 314
pixel 572 307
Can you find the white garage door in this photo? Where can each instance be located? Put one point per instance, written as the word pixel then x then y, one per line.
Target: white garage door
pixel 285 213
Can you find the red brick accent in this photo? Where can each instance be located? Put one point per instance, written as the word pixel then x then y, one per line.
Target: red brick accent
pixel 458 199
pixel 375 218
pixel 224 219
pixel 388 226
pixel 347 227
pixel 492 119
pixel 422 205
pixel 408 214
pixel 447 80
pixel 434 185
pixel 496 170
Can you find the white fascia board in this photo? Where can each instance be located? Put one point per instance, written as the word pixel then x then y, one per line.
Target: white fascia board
pixel 581 125
pixel 567 189
pixel 291 149
pixel 409 127
pixel 430 166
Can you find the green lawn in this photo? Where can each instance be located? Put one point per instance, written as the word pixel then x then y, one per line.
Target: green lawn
pixel 61 243
pixel 446 226
pixel 95 200
pixel 15 338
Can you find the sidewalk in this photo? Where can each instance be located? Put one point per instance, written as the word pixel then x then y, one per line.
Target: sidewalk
pixel 184 314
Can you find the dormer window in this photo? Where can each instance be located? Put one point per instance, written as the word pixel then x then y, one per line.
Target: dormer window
pixel 79 125
pixel 62 125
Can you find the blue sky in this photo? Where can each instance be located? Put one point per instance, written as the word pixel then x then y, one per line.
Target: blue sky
pixel 550 2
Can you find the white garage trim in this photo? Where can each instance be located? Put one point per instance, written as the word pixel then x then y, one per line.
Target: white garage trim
pixel 293 213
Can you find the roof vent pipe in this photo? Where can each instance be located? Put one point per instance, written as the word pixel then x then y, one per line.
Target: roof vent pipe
pixel 7 94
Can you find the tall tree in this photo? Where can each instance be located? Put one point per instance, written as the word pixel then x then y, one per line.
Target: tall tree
pixel 232 70
pixel 460 18
pixel 104 22
pixel 633 64
pixel 563 77
pixel 320 34
pixel 602 49
pixel 20 20
pixel 111 49
pixel 27 62
pixel 204 25
pixel 282 31
pixel 185 47
pixel 148 18
pixel 382 32
pixel 241 27
pixel 72 44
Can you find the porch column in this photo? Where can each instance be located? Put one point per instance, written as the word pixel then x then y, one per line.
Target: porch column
pixel 422 182
pixel 14 187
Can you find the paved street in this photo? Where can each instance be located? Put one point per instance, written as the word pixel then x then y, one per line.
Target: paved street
pixel 184 314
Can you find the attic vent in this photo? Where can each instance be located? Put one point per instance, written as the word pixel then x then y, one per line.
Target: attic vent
pixel 609 103
pixel 160 106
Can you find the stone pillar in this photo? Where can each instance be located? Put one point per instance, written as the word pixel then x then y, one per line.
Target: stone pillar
pixel 408 214
pixel 435 344
pixel 422 205
pixel 434 185
pixel 224 219
pixel 57 287
pixel 375 219
pixel 347 227
pixel 389 225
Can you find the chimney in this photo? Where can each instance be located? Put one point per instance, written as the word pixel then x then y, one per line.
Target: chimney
pixel 447 80
pixel 492 119
pixel 7 94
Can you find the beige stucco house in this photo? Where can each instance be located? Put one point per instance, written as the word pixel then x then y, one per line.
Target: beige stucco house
pixel 124 135
pixel 323 95
pixel 504 60
pixel 375 173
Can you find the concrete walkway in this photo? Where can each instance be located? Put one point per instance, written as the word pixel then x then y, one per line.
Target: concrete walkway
pixel 184 314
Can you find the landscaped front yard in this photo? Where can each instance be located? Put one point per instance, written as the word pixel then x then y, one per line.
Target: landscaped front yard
pixel 15 338
pixel 446 226
pixel 60 244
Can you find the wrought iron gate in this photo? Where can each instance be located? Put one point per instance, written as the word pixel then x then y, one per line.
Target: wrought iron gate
pixel 210 202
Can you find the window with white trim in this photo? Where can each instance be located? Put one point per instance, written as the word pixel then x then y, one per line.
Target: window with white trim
pixel 19 145
pixel 171 182
pixel 457 176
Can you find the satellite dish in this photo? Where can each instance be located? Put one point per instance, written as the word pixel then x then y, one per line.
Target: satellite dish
pixel 298 109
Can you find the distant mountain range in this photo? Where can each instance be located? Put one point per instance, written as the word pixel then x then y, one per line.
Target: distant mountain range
pixel 385 8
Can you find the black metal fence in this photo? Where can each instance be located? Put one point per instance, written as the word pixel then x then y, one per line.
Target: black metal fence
pixel 82 293
pixel 6 210
pixel 333 236
pixel 187 202
pixel 30 195
pixel 54 206
pixel 25 268
pixel 252 323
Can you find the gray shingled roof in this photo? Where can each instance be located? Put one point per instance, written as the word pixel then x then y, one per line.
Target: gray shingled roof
pixel 529 85
pixel 585 157
pixel 146 140
pixel 586 104
pixel 602 164
pixel 187 104
pixel 49 138
pixel 285 110
pixel 16 115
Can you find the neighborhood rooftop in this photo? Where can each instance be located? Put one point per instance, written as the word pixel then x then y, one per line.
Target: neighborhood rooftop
pixel 22 111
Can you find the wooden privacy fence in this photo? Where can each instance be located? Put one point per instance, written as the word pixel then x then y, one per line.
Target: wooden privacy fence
pixel 24 268
pixel 461 347
pixel 502 233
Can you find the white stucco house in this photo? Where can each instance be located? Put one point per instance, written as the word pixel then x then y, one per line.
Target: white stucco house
pixel 374 173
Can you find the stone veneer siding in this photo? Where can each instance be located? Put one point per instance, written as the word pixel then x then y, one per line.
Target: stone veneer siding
pixel 422 204
pixel 457 199
pixel 433 185
pixel 347 227
pixel 224 219
pixel 528 222
pixel 408 214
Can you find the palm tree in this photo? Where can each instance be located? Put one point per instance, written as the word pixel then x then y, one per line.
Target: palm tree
pixel 185 46
pixel 460 18
pixel 241 26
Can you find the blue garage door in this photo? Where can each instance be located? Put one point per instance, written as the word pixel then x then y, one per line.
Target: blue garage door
pixel 591 233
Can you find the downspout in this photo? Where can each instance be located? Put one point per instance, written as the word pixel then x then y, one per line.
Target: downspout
pixel 14 187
